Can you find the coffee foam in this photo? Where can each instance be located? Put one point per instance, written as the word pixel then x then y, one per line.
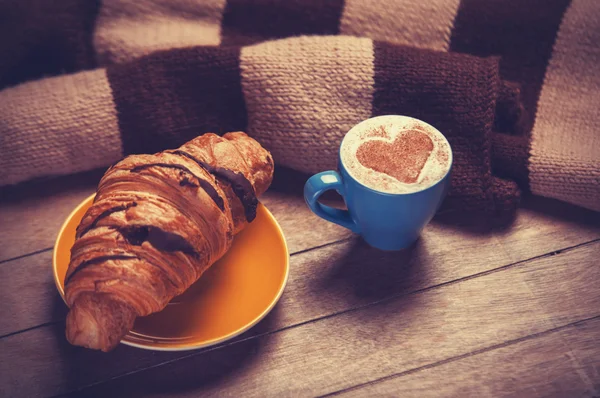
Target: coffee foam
pixel 386 129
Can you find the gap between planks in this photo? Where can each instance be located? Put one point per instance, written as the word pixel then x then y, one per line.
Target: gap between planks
pixel 462 356
pixel 26 255
pixel 509 342
pixel 338 242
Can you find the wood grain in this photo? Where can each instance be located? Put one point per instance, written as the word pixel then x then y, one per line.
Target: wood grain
pixel 28 285
pixel 317 357
pixel 348 269
pixel 32 215
pixel 342 278
pixel 556 364
pixel 584 348
pixel 577 278
pixel 359 346
pixel 28 294
pixel 50 365
pixel 544 225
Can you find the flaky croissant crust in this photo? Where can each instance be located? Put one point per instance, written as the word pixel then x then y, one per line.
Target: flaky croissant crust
pixel 157 223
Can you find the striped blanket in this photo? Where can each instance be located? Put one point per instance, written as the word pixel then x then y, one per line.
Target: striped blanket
pixel 513 84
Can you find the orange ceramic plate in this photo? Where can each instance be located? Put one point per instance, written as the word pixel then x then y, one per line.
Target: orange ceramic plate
pixel 231 297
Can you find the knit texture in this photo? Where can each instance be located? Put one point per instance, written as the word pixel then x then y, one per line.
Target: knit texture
pixel 416 23
pixel 297 108
pixel 58 126
pixel 521 32
pixel 247 22
pixel 43 38
pixel 512 83
pixel 128 29
pixel 167 98
pixel 461 107
pixel 565 146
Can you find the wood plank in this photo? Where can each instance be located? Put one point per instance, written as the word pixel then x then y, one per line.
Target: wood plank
pixel 31 215
pixel 28 294
pixel 51 364
pixel 367 344
pixel 583 341
pixel 343 275
pixel 545 225
pixel 444 253
pixel 303 230
pixel 577 293
pixel 318 357
pixel 549 365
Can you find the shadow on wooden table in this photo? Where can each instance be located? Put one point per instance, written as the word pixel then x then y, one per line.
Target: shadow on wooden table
pixel 546 207
pixel 560 211
pixel 454 214
pixel 207 367
pixel 365 274
pixel 44 187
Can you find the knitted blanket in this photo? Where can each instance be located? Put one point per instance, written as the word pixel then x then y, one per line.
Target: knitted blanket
pixel 513 84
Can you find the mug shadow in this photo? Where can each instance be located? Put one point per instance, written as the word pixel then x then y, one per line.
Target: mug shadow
pixel 364 275
pixel 94 373
pixel 374 285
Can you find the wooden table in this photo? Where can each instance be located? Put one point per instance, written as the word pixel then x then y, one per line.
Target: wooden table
pixel 468 312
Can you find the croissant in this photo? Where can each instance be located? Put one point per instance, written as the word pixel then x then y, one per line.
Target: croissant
pixel 156 224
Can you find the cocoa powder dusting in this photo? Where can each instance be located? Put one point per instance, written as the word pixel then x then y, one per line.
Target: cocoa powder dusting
pixel 402 159
pixel 442 157
pixel 379 131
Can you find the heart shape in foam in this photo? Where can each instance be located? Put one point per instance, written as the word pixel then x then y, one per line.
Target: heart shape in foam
pixel 402 158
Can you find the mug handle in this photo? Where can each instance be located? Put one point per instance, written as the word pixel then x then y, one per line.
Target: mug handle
pixel 315 187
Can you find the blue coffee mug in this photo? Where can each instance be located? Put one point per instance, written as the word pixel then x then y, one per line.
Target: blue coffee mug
pixel 386 221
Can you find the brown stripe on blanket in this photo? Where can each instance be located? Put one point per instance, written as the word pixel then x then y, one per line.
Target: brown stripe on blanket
pixel 521 32
pixel 167 98
pixel 510 155
pixel 456 93
pixel 246 22
pixel 44 38
pixel 510 112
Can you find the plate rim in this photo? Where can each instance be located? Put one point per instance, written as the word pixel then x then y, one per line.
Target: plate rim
pixel 189 347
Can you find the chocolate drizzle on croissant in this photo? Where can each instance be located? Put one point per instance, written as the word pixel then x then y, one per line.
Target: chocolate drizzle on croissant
pixel 105 214
pixel 160 239
pixel 156 224
pixel 240 185
pixel 184 180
